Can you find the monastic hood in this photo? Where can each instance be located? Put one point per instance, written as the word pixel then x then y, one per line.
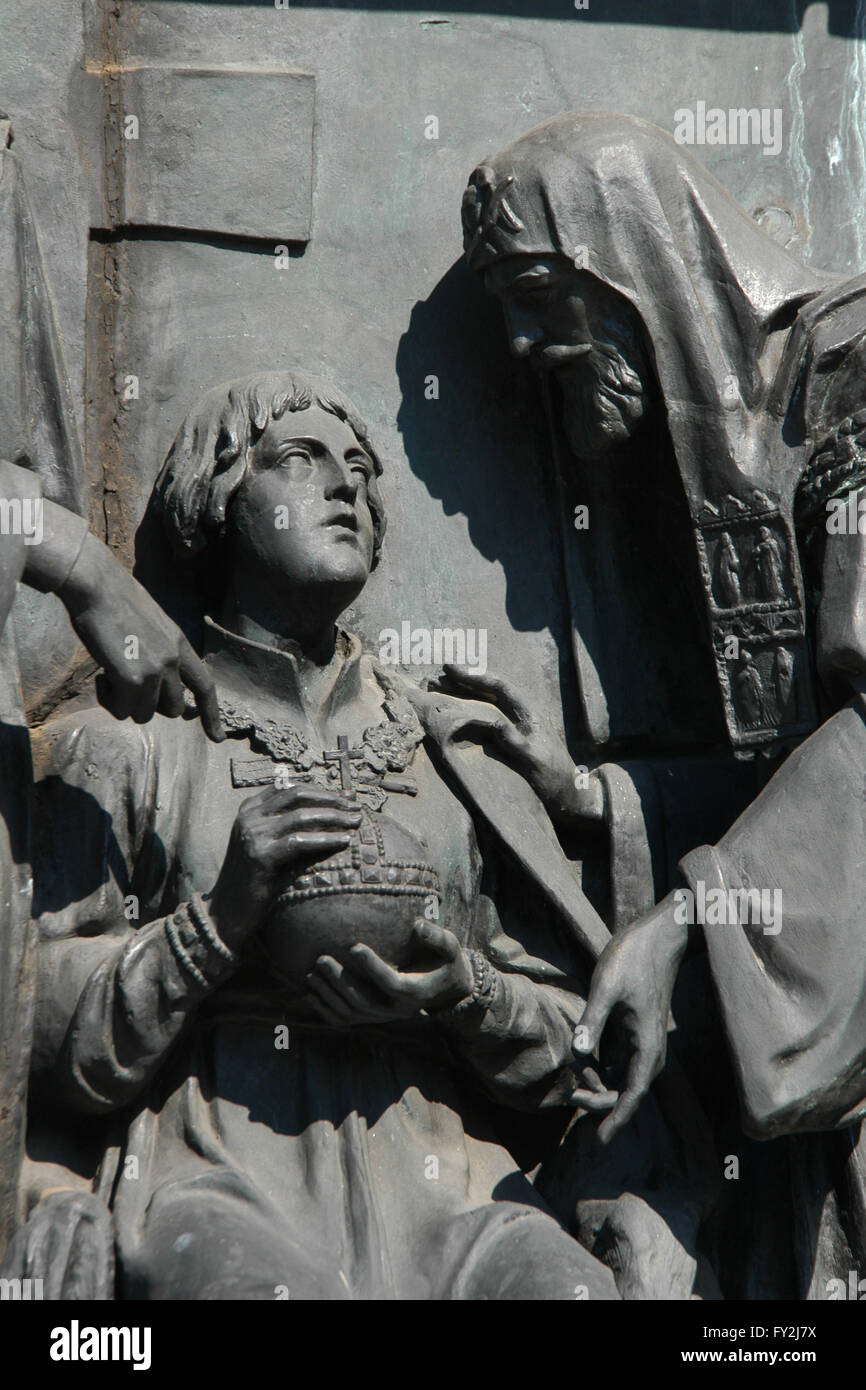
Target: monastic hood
pixel 619 197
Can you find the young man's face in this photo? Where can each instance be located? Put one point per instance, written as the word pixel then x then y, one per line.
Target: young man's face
pixel 588 336
pixel 301 517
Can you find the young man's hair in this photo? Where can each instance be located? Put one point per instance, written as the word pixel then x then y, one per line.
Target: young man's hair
pixel 209 458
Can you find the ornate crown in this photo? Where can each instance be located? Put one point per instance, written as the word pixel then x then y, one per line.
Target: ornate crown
pixel 369 865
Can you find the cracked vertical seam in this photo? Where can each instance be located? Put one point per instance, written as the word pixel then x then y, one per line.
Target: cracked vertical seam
pixel 106 265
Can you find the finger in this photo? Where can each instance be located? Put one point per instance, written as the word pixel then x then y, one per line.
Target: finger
pixel 112 697
pixel 393 983
pixel 591 1079
pixel 619 1117
pixel 330 1000
pixel 350 1007
pixel 126 699
pixel 494 723
pixel 324 1014
pixel 196 675
pixel 273 800
pixel 588 1080
pixel 171 701
pixel 326 818
pixel 145 698
pixel 352 991
pixel 311 845
pixel 593 1020
pixel 276 805
pixel 484 716
pixel 594 1100
pixel 502 693
pixel 436 938
pixel 643 1067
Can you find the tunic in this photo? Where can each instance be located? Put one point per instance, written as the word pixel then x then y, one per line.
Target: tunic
pixel 354 1163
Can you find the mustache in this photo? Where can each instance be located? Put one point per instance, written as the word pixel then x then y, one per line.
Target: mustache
pixel 602 396
pixel 604 374
pixel 560 354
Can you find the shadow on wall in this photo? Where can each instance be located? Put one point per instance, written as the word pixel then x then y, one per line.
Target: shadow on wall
pixel 173 582
pixel 767 16
pixel 478 448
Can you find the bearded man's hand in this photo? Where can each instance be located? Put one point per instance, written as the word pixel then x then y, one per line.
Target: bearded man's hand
pixel 632 983
pixel 569 793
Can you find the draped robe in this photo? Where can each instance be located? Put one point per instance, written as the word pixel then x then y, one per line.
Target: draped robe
pixel 760 426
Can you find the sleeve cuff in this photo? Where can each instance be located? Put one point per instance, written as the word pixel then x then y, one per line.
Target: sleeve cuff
pixel 197 946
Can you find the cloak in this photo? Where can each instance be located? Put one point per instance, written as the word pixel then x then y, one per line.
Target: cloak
pixel 760 364
pixel 742 338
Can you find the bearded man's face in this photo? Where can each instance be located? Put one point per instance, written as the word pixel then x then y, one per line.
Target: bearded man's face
pixel 588 337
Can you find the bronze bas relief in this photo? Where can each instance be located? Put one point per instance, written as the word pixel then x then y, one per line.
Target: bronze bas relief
pixel 282 970
pixel 687 355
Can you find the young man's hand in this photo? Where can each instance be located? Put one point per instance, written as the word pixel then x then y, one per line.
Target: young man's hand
pixel 369 990
pixel 274 832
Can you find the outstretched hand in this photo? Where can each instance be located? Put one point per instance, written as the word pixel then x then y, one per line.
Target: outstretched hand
pixel 146 659
pixel 531 744
pixel 633 981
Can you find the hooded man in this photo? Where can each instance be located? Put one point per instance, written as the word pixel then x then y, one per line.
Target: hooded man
pixel 708 389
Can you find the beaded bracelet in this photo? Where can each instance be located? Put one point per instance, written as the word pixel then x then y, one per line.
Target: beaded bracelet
pixel 201 920
pixel 179 950
pixel 485 985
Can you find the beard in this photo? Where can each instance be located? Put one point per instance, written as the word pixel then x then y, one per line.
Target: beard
pixel 604 399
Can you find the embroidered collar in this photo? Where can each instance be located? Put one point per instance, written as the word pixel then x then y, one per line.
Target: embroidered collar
pixel 252 671
pixel 368 768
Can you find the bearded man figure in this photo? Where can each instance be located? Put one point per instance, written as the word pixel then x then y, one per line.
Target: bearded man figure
pixel 706 404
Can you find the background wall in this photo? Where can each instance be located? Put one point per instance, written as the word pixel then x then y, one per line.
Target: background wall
pixel 182 292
